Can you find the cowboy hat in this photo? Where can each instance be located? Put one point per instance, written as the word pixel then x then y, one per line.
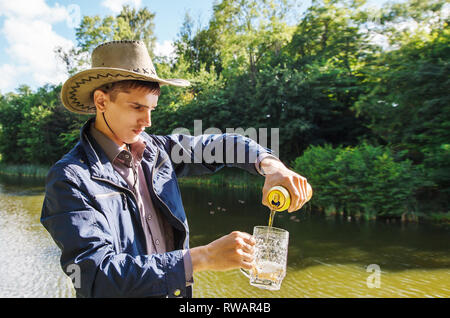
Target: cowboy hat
pixel 111 62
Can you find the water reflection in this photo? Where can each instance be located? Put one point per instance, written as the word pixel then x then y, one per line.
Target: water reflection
pixel 326 258
pixel 30 259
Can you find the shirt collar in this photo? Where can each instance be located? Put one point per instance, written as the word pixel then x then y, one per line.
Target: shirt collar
pixel 114 152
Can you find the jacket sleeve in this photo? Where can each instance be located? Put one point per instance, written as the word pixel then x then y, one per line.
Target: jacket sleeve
pixel 195 155
pixel 86 242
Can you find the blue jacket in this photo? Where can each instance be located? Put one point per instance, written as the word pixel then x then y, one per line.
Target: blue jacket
pixel 93 217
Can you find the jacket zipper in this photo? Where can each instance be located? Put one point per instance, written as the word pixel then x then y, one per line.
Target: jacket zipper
pixel 153 172
pixel 106 195
pixel 118 186
pixel 123 202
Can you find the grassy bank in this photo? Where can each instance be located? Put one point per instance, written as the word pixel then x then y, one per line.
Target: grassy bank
pixel 28 170
pixel 233 178
pixel 230 178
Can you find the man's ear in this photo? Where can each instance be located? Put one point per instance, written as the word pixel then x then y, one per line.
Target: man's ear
pixel 100 100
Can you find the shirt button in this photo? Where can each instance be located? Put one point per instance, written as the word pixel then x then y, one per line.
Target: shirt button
pixel 149 217
pixel 157 242
pixel 177 292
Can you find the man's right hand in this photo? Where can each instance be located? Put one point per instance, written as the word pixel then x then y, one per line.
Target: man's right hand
pixel 231 251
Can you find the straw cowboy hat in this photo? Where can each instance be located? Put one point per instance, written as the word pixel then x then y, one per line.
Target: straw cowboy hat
pixel 111 62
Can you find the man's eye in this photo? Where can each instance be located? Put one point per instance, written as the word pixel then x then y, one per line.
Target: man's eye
pixel 140 108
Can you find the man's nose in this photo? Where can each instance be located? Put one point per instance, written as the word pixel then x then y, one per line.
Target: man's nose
pixel 147 119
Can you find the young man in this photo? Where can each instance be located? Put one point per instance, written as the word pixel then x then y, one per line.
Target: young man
pixel 113 205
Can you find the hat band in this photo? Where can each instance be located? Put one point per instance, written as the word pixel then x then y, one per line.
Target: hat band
pixel 81 105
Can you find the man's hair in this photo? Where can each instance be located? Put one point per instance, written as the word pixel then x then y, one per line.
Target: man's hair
pixel 113 89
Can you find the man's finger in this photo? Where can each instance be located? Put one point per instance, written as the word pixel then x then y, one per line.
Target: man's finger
pixel 301 199
pixel 247 248
pixel 295 197
pixel 264 200
pixel 304 192
pixel 246 265
pixel 246 257
pixel 249 239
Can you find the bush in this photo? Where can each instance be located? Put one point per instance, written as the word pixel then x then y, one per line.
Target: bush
pixel 364 180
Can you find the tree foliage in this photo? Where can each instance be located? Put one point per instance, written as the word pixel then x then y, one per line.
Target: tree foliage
pixel 32 124
pixel 364 181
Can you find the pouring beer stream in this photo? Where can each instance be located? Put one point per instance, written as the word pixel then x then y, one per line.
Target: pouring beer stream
pixel 279 200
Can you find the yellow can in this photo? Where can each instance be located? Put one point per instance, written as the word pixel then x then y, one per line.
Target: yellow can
pixel 279 198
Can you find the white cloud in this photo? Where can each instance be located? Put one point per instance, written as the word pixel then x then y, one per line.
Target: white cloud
pixel 36 9
pixel 31 41
pixel 116 5
pixel 166 49
pixel 8 76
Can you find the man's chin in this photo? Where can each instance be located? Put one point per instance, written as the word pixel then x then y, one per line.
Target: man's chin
pixel 132 140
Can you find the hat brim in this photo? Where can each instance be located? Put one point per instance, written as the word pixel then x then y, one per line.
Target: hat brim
pixel 76 91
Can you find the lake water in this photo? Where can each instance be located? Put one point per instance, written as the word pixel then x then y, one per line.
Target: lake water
pixel 336 257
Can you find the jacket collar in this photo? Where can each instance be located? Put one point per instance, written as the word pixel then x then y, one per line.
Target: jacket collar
pixel 99 164
pixel 97 160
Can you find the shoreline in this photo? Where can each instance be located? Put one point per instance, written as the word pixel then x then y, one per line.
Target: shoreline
pixel 236 179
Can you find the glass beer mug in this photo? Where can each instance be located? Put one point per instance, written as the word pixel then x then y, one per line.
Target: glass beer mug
pixel 270 257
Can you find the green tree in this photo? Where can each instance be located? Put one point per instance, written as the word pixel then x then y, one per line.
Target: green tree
pixel 412 21
pixel 139 24
pixel 12 106
pixel 246 30
pixel 129 24
pixel 407 97
pixel 32 125
pixel 364 181
pixel 309 88
pixel 198 46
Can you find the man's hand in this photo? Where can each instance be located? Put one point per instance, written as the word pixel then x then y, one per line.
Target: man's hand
pixel 231 251
pixel 277 174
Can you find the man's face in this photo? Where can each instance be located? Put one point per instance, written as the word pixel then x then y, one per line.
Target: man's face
pixel 128 115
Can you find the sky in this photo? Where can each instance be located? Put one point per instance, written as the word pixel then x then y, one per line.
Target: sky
pixel 31 29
